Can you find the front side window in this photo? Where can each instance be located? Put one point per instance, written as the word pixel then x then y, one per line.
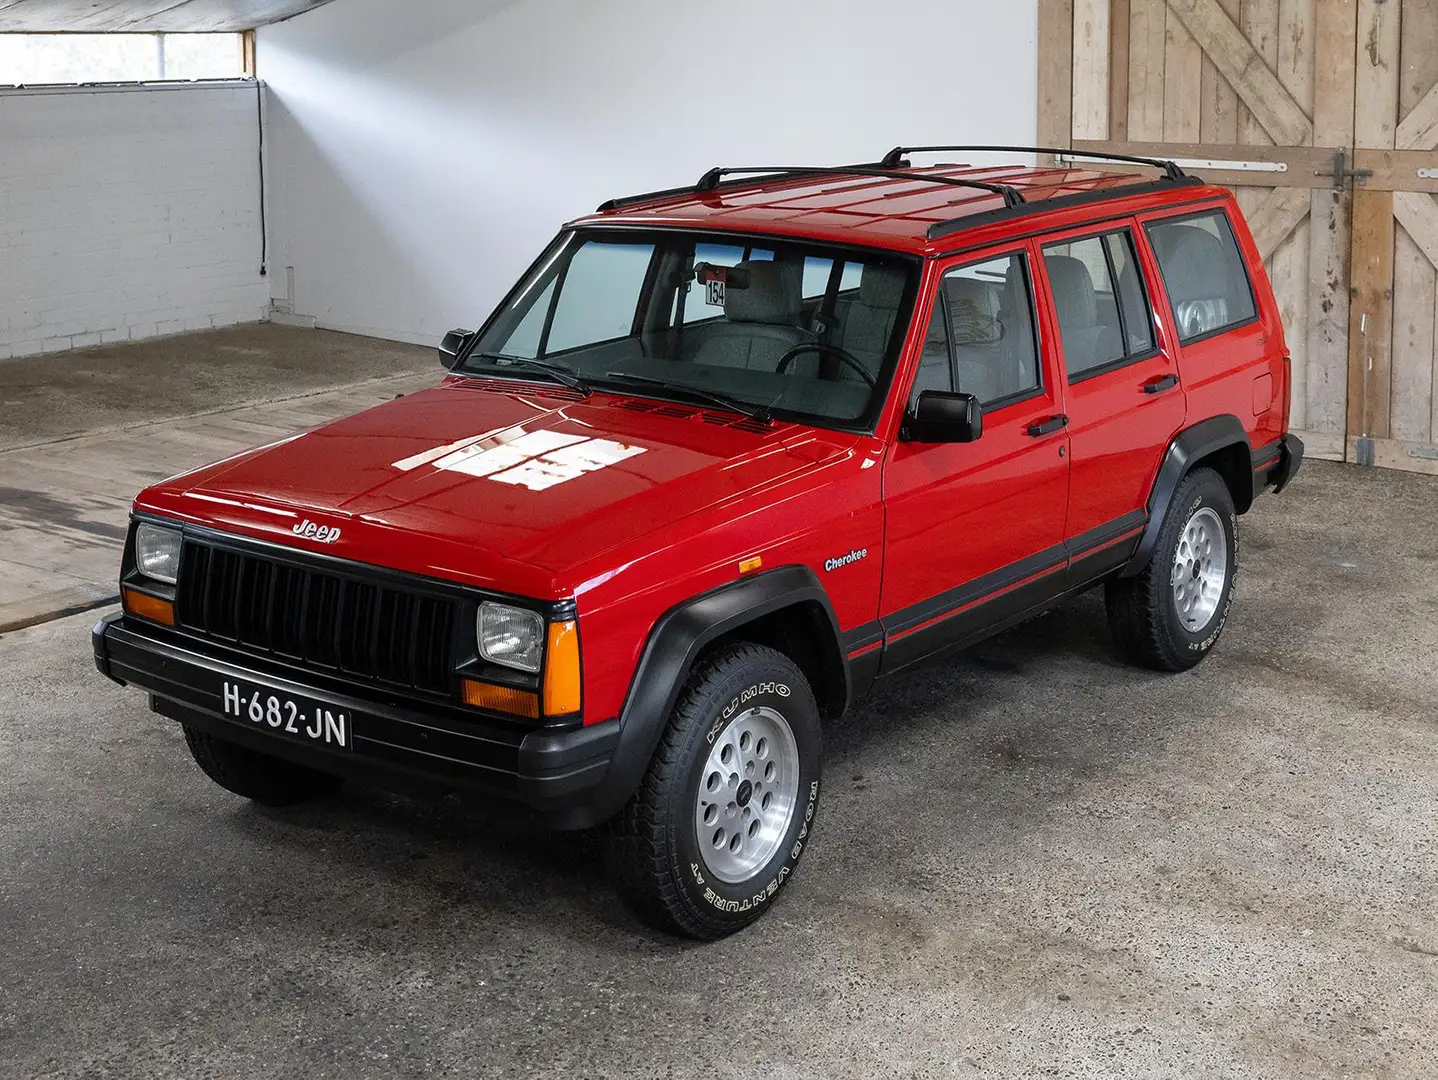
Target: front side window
pixel 806 329
pixel 1204 273
pixel 981 334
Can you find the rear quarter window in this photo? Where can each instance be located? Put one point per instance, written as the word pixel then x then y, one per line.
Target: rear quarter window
pixel 1203 270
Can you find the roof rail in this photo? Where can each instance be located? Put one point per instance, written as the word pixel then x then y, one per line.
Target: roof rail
pixel 894 159
pixel 714 180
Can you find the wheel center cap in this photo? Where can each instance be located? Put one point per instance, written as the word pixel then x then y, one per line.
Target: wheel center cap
pixel 744 794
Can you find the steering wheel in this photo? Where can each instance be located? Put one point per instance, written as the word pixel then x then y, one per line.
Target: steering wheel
pixel 848 359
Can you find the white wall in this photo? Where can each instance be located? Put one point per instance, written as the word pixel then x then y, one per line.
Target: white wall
pixel 423 153
pixel 127 214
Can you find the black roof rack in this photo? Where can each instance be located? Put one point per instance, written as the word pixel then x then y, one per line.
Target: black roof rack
pixel 894 166
pixel 894 159
pixel 713 180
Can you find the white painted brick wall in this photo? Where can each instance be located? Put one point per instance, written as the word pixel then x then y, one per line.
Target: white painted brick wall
pixel 126 214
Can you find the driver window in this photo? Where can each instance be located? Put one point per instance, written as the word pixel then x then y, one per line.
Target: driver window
pixel 981 336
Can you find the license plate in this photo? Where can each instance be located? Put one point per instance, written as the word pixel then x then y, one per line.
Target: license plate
pixel 295 718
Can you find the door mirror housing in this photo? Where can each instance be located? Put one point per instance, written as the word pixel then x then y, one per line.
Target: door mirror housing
pixel 453 346
pixel 943 417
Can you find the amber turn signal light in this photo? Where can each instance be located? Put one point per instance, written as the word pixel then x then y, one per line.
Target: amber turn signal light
pixel 148 607
pixel 506 699
pixel 562 691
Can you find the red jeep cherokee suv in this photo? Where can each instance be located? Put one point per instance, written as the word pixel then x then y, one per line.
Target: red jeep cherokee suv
pixel 726 455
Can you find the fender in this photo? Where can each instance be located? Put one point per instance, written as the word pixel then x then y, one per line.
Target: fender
pixel 1190 445
pixel 674 644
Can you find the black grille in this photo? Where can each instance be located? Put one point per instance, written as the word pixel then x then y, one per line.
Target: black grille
pixel 325 620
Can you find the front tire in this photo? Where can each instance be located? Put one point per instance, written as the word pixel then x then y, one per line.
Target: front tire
pixel 266 780
pixel 724 813
pixel 1170 615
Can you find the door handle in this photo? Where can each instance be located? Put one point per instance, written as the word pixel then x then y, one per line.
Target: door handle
pixel 1159 385
pixel 1049 426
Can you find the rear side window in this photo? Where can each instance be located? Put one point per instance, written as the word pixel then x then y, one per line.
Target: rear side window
pixel 1100 302
pixel 1204 273
pixel 981 336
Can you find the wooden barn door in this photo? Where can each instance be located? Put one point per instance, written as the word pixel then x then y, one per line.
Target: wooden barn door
pixel 1322 115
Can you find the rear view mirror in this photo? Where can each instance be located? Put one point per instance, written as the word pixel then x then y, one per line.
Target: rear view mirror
pixel 942 417
pixel 453 346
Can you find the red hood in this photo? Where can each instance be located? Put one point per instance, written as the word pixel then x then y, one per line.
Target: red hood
pixel 508 486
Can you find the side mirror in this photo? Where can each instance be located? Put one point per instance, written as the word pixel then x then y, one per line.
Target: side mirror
pixel 942 417
pixel 453 345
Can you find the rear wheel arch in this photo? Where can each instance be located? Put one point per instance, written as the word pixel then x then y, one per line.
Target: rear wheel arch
pixel 1219 443
pixel 786 609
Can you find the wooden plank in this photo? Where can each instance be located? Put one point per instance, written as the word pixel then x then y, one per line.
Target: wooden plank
pixel 1246 71
pixel 1218 120
pixel 1182 83
pixel 1407 456
pixel 1397 170
pixel 1288 272
pixel 1414 302
pixel 1329 228
pixel 1376 85
pixel 1335 43
pixel 1274 218
pixel 1259 24
pixel 1297 28
pixel 1419 129
pixel 1419 215
pixel 1118 60
pixel 1371 339
pixel 1418 59
pixel 1418 77
pixel 1326 377
pixel 1147 40
pixel 1055 125
pixel 1090 69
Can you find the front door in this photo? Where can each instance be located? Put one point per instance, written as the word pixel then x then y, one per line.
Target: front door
pixel 975 530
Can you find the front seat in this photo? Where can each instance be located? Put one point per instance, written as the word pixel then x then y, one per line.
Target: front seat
pixel 1087 342
pixel 869 322
pixel 761 322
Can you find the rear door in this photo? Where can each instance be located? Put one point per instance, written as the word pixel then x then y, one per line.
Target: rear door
pixel 1125 401
pixel 975 530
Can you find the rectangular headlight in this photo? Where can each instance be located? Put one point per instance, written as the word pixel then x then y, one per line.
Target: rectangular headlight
pixel 157 552
pixel 511 636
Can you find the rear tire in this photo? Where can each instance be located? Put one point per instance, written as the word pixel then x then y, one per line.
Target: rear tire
pixel 724 812
pixel 1170 615
pixel 266 780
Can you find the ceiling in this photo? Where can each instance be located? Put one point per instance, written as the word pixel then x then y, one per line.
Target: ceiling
pixel 135 16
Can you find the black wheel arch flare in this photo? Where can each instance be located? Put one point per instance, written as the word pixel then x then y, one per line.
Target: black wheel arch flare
pixel 680 636
pixel 1191 446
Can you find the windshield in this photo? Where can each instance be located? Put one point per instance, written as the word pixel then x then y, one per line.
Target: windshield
pixel 762 325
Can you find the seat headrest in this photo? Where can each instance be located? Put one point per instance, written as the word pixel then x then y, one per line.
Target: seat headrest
pixel 1195 263
pixel 772 296
pixel 971 311
pixel 1074 299
pixel 881 287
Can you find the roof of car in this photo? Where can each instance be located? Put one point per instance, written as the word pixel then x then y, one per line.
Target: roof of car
pixel 903 212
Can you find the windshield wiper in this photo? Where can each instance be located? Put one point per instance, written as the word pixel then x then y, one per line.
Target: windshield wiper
pixel 558 373
pixel 697 393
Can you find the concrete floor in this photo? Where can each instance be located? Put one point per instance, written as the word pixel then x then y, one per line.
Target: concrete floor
pixel 82 434
pixel 1029 862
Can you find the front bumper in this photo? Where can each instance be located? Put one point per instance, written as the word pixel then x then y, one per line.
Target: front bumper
pixel 561 775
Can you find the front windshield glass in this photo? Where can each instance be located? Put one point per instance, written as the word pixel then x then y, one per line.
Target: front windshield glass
pixel 764 325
